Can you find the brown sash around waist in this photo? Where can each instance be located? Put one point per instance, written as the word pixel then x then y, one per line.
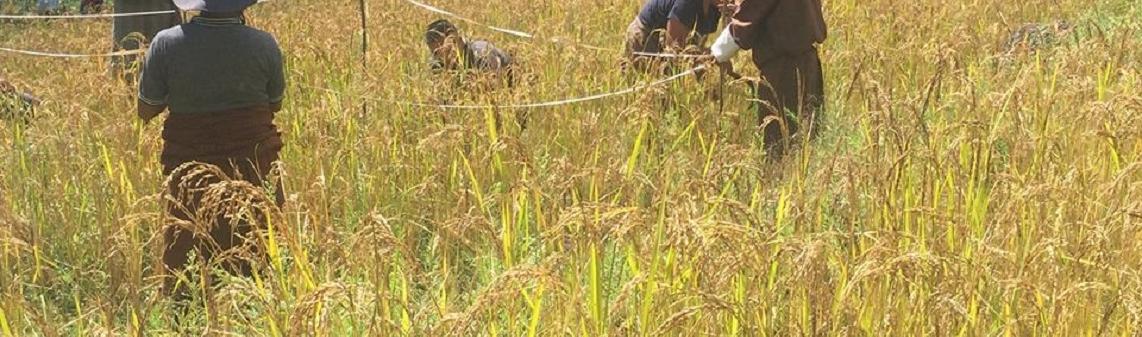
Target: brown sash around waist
pixel 237 135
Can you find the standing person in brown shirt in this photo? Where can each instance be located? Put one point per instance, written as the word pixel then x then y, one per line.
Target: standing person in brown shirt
pixel 783 35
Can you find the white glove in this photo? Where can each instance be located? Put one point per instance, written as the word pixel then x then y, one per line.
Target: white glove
pixel 724 47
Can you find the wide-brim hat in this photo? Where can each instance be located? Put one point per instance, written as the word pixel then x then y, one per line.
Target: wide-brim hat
pixel 217 6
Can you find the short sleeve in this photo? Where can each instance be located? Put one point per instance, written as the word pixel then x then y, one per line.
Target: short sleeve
pixel 686 11
pixel 153 87
pixel 276 86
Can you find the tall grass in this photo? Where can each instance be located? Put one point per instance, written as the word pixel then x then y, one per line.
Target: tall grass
pixel 956 190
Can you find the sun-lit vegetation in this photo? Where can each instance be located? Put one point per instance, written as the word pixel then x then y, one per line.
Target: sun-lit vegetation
pixel 958 188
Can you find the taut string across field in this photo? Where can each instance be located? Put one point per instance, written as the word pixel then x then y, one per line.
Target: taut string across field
pixel 91 16
pixel 83 16
pixel 534 105
pixel 65 55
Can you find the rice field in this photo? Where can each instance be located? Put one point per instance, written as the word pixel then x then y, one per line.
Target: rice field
pixel 960 186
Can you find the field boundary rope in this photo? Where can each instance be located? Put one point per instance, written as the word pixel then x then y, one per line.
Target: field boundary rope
pixel 85 16
pixel 90 16
pixel 64 55
pixel 534 105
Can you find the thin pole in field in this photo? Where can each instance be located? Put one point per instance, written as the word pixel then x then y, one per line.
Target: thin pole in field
pixel 364 48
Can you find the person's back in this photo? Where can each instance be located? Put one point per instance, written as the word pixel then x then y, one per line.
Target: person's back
pixel 212 65
pixel 485 57
pixel 703 21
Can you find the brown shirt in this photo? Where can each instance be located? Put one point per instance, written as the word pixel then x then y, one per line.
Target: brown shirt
pixel 778 27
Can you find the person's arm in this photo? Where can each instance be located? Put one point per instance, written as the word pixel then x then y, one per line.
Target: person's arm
pixel 29 99
pixel 153 88
pixel 277 82
pixel 680 22
pixel 676 34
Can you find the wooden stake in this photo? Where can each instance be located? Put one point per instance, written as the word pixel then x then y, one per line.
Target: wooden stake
pixel 364 49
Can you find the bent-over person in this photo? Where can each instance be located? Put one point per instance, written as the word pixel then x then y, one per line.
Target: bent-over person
pixel 489 67
pixel 783 35
pixel 223 82
pixel 451 52
pixel 671 26
pixel 16 105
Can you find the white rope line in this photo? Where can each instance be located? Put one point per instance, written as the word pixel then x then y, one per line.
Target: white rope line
pixel 87 16
pixel 62 55
pixel 531 105
pixel 92 16
pixel 66 55
pixel 663 55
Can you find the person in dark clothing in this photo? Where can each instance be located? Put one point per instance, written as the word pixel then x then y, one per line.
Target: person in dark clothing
pixel 783 35
pixel 1033 37
pixel 451 52
pixel 16 105
pixel 223 82
pixel 672 25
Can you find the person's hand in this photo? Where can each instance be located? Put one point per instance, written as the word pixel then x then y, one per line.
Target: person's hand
pixel 727 8
pixel 727 66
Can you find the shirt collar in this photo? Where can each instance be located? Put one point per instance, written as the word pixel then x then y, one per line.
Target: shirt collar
pixel 218 22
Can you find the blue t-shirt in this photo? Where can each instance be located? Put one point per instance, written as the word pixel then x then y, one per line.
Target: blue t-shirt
pixel 655 14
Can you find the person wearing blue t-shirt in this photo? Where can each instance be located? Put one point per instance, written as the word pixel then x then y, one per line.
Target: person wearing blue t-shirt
pixel 672 25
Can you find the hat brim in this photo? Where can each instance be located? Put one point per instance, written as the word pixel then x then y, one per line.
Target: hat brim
pixel 218 6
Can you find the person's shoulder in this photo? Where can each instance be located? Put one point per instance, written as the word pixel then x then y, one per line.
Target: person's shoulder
pixel 258 34
pixel 695 4
pixel 480 45
pixel 166 39
pixel 262 38
pixel 170 34
pixel 686 8
pixel 486 50
pixel 484 47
